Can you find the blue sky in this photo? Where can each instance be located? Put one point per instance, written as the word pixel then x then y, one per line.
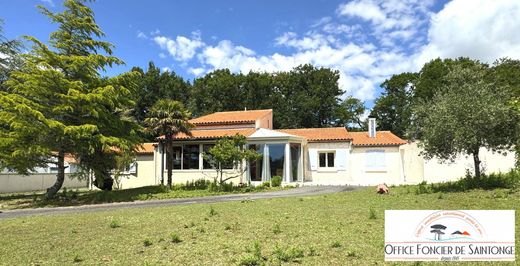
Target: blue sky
pixel 366 40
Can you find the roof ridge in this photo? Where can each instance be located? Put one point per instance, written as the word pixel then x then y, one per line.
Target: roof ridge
pixel 310 128
pixel 220 112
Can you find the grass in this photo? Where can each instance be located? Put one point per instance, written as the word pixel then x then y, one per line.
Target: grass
pixel 320 230
pixel 83 197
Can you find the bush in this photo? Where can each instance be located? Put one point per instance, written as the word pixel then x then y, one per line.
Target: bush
pixel 276 229
pixel 276 181
pixel 336 244
pixel 147 242
pixel 254 259
pixel 175 238
pixel 115 224
pixel 212 211
pixel 197 184
pixel 509 180
pixel 291 255
pixel 251 261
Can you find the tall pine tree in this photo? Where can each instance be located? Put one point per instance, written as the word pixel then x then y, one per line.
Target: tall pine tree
pixel 59 104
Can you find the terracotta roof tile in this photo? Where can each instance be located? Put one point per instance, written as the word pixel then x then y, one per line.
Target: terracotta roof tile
pixel 320 134
pixel 214 133
pixel 231 117
pixel 146 148
pixel 383 138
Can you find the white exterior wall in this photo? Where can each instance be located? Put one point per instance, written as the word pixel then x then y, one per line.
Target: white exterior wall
pixel 390 174
pixel 35 182
pixel 144 176
pixel 327 176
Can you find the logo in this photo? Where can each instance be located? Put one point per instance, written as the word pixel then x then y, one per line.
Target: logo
pixel 449 235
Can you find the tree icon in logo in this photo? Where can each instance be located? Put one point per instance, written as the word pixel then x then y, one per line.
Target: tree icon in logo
pixel 438 230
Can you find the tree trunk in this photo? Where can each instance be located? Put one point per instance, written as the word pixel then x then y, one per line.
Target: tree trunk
pixel 60 177
pixel 476 161
pixel 169 161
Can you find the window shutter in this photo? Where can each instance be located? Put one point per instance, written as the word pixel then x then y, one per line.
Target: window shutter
pixel 313 159
pixel 341 159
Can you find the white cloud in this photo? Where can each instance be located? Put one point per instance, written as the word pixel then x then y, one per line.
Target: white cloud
pixel 480 29
pixel 166 69
pixel 309 42
pixel 196 71
pixel 181 48
pixel 367 10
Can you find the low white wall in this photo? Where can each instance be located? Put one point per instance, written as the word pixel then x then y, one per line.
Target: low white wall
pixel 418 169
pixel 35 182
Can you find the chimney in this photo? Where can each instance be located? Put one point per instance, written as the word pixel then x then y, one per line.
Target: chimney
pixel 371 127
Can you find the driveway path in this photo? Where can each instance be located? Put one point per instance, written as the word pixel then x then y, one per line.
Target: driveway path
pixel 295 192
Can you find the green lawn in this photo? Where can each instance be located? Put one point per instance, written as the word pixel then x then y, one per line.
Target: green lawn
pixel 333 229
pixel 82 197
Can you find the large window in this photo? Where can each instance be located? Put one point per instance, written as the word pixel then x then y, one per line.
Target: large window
pixel 326 159
pixel 205 163
pixel 255 167
pixel 177 157
pixel 295 159
pixel 191 157
pixel 375 160
pixel 276 159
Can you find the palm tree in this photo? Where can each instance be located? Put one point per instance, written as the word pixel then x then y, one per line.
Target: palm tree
pixel 168 118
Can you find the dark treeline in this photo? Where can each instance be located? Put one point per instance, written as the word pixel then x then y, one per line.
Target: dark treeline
pixel 306 96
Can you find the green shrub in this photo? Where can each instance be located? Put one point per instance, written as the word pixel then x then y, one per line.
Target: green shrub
pixel 351 254
pixel 175 238
pixel 115 224
pixel 147 242
pixel 77 258
pixel 313 252
pixel 197 184
pixel 422 188
pixel 276 181
pixel 250 260
pixel 336 244
pixel 276 229
pixel 290 255
pixel 510 180
pixel 212 211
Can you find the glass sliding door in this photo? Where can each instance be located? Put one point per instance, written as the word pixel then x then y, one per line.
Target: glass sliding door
pixel 276 159
pixel 255 168
pixel 295 161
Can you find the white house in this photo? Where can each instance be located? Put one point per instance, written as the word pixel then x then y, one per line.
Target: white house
pixel 310 156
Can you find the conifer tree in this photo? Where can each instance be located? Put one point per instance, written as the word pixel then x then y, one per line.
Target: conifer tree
pixel 58 103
